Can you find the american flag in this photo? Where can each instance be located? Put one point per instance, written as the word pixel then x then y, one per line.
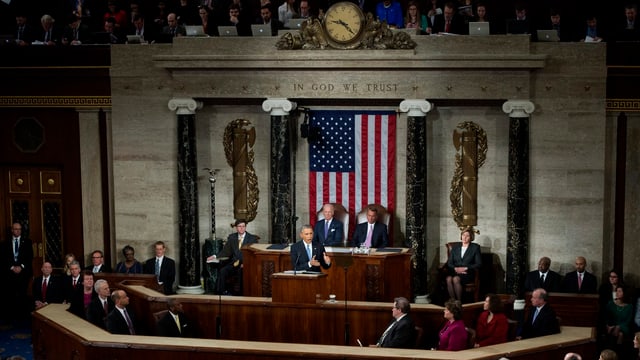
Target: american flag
pixel 351 160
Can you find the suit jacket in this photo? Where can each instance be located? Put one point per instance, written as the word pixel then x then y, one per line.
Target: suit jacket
pixel 546 323
pixel 453 336
pixel 167 272
pixel 167 326
pixel 379 238
pixel 55 290
pixel 589 283
pixel 69 290
pixel 551 281
pixel 105 268
pixel 472 257
pixel 231 248
pixel 335 236
pixel 20 281
pixel 116 324
pixel 401 335
pixel 457 25
pixel 300 259
pixel 96 314
pixel 494 332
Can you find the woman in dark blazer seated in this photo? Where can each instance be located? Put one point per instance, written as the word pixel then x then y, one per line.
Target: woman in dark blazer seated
pixel 464 261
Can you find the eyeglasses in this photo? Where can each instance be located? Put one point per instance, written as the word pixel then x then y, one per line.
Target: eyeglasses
pixel 96 257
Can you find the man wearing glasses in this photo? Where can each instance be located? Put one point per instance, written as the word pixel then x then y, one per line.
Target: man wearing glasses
pixel 97 259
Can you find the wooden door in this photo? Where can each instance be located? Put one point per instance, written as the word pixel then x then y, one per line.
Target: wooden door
pixel 33 197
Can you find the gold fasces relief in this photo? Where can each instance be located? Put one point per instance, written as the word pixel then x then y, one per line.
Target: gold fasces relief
pixel 239 138
pixel 471 146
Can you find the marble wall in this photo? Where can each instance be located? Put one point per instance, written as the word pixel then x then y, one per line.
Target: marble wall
pixel 568 142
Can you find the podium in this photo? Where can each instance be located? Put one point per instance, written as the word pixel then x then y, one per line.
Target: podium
pixel 299 287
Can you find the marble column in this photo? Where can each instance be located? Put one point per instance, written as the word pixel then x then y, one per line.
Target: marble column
pixel 417 110
pixel 189 261
pixel 518 194
pixel 282 195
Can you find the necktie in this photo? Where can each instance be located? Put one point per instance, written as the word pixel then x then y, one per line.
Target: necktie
pixel 326 229
pixel 46 37
pixel 157 271
pixel 579 281
pixel 240 240
pixel 178 322
pixel 129 323
pixel 20 31
pixel 44 290
pixel 447 27
pixel 96 269
pixel 309 251
pixel 105 306
pixel 535 315
pixel 74 282
pixel 75 34
pixel 386 332
pixel 542 279
pixel 16 249
pixel 367 243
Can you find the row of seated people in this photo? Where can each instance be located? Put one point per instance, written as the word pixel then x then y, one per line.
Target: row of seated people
pixel 452 17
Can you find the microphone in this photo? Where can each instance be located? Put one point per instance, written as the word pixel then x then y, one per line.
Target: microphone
pixel 295 267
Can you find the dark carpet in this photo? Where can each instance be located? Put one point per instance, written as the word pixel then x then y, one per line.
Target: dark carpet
pixel 15 341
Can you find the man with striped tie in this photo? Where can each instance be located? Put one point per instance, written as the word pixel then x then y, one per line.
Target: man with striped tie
pixel 401 332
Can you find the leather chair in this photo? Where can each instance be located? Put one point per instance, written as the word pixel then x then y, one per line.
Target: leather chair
pixel 157 316
pixel 471 337
pixel 341 214
pixel 472 288
pixel 419 335
pixel 383 216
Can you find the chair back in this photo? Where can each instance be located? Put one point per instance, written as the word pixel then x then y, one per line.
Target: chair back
pixel 471 287
pixel 342 215
pixel 471 337
pixel 419 335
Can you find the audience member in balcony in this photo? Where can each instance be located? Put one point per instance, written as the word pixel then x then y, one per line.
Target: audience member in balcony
pixel 453 336
pixel 608 289
pixel 619 319
pixel 160 15
pixel 492 327
pixel 329 231
pixel 173 28
pixel 82 294
pixel 520 24
pixel 464 260
pixel 267 19
pixel 543 277
pixel 207 21
pixel 50 36
pixel 98 264
pixel 482 15
pixel 434 8
pixel 25 33
pixel 415 20
pixel 592 33
pixel 401 333
pixel 580 281
pixel 629 28
pixel 134 11
pixel 238 19
pixel 115 37
pixel 73 282
pixel 47 288
pixel 391 12
pixel 466 10
pixel 174 323
pixel 372 234
pixel 130 265
pixel 304 9
pixel 121 320
pixel 101 305
pixel 542 319
pixel 119 15
pixel 147 34
pixel 554 23
pixel 286 11
pixel 449 21
pixel 187 13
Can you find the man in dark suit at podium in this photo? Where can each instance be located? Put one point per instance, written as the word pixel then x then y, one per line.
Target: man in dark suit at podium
pixel 372 233
pixel 329 231
pixel 543 277
pixel 308 255
pixel 580 281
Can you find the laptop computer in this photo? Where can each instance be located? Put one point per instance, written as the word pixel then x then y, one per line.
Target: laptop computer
pixel 194 30
pixel 227 31
pixel 548 35
pixel 478 28
pixel 134 39
pixel 261 30
pixel 296 24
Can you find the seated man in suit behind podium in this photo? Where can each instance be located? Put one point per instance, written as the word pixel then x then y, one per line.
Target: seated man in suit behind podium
pixel 543 277
pixel 371 233
pixel 329 231
pixel 174 323
pixel 232 250
pixel 580 281
pixel 307 254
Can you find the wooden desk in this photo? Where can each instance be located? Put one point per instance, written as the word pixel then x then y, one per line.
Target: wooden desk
pixel 298 288
pixel 380 276
pixel 58 335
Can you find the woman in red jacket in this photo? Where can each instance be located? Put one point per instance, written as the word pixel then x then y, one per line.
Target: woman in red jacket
pixel 493 326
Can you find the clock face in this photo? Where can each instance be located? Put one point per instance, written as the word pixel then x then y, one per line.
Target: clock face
pixel 344 24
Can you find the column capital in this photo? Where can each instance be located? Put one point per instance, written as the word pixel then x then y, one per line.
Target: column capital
pixel 278 106
pixel 415 107
pixel 184 106
pixel 518 108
